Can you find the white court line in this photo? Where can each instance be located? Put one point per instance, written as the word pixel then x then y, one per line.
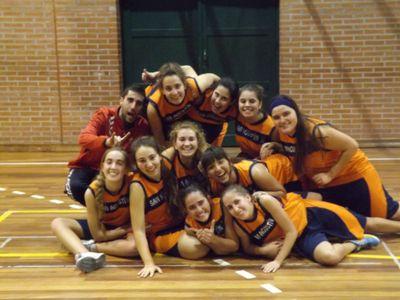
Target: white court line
pixel 18 193
pixel 2 189
pixel 271 288
pixel 38 196
pixel 29 237
pixel 56 163
pixel 34 163
pixel 221 262
pixel 396 261
pixel 5 242
pixel 245 274
pixel 384 158
pixel 76 206
pixel 56 201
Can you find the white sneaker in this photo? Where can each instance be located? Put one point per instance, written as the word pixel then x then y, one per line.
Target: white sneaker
pixel 88 244
pixel 89 261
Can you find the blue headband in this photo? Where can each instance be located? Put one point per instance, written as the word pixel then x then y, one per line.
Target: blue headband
pixel 280 101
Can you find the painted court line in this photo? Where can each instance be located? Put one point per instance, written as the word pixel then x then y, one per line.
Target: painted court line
pixel 76 206
pixel 2 189
pixel 29 237
pixel 18 193
pixel 373 256
pixel 38 196
pixel 39 211
pixel 221 262
pixel 5 242
pixel 56 201
pixel 395 259
pixel 245 274
pixel 38 163
pixel 271 288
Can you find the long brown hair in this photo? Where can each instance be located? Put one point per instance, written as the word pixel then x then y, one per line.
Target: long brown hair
pixel 167 175
pixel 307 141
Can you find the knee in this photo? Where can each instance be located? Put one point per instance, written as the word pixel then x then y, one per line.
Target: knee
pixel 131 250
pixel 327 258
pixel 57 224
pixel 191 248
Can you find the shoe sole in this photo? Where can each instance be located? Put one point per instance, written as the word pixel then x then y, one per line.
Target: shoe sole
pixel 89 264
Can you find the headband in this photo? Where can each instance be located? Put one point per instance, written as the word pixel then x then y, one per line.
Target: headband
pixel 280 101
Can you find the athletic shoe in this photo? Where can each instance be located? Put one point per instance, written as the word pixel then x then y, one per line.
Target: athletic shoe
pixel 89 244
pixel 89 261
pixel 367 242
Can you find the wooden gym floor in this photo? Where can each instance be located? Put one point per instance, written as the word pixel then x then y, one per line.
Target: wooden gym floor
pixel 34 265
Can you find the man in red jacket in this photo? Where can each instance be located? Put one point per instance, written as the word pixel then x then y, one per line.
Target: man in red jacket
pixel 109 126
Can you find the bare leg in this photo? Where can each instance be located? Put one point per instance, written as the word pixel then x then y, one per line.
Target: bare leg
pixel 382 225
pixel 191 248
pixel 121 247
pixel 331 254
pixel 69 233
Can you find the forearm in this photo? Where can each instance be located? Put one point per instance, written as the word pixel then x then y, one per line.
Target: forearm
pixel 287 246
pixel 103 235
pixel 341 163
pixel 143 247
pixel 223 246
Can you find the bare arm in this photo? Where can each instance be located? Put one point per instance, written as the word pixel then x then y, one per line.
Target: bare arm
pixel 333 139
pixel 284 222
pixel 265 181
pixel 97 229
pixel 169 153
pixel 137 204
pixel 206 80
pixel 155 124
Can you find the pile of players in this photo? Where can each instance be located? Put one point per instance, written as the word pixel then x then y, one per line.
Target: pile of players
pixel 154 178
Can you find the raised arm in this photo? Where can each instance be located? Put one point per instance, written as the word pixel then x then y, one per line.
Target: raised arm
pixel 265 181
pixel 155 124
pixel 333 139
pixel 137 205
pixel 206 80
pixel 97 229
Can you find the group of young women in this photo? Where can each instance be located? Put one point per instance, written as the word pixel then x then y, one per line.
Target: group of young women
pixel 297 183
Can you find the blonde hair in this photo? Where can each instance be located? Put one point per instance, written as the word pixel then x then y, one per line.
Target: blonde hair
pixel 200 135
pixel 100 179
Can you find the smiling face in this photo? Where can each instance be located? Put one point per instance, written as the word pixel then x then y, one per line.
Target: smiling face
pixel 239 205
pixel 197 206
pixel 131 105
pixel 249 104
pixel 285 119
pixel 148 162
pixel 114 166
pixel 220 99
pixel 220 170
pixel 186 142
pixel 173 89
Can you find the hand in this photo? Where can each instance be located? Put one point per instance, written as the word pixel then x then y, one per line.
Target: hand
pixel 322 179
pixel 116 140
pixel 149 270
pixel 268 149
pixel 271 267
pixel 206 235
pixel 149 77
pixel 260 194
pixel 191 231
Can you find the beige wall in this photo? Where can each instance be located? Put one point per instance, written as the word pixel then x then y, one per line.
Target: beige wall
pixel 61 61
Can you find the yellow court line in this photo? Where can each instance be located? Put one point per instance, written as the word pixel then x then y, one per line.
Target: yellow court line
pixel 39 211
pixel 28 255
pixel 5 215
pixel 372 256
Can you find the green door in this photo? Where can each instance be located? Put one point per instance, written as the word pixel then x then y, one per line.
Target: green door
pixel 236 38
